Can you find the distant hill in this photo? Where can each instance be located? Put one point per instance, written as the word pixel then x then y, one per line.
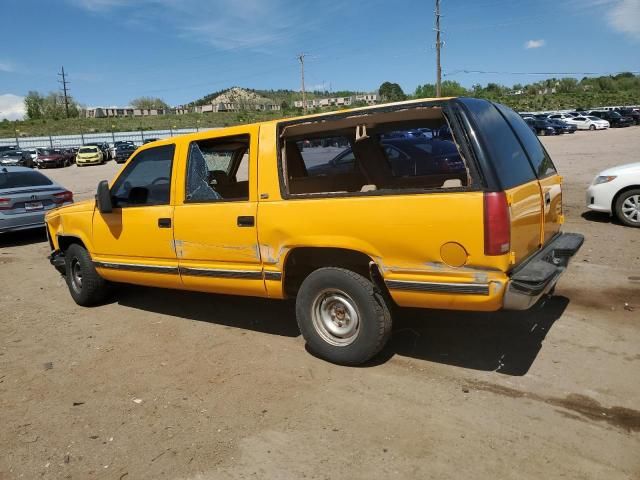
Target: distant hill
pixel 276 96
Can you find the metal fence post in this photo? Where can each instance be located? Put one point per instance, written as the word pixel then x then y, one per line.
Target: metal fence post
pixel 50 142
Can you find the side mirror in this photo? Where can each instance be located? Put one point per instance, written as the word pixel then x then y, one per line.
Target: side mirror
pixel 103 197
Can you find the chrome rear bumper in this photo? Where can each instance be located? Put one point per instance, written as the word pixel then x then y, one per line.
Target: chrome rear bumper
pixel 540 273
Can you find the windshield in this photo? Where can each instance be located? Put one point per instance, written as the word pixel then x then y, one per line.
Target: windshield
pixel 594 118
pixel 46 152
pixel 23 179
pixel 88 150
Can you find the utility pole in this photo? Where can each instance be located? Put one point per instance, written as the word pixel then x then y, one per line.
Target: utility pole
pixel 438 45
pixel 65 91
pixel 304 95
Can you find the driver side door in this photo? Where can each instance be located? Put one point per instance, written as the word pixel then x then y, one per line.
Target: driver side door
pixel 134 243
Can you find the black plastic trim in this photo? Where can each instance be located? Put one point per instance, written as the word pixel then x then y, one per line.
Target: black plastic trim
pixel 463 288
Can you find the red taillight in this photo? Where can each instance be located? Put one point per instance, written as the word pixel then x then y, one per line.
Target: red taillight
pixel 5 203
pixel 63 197
pixel 497 224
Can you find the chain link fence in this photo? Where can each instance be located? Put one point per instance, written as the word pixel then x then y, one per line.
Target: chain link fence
pixel 52 141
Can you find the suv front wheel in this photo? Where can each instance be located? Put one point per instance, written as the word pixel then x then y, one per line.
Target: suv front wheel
pixel 342 316
pixel 87 288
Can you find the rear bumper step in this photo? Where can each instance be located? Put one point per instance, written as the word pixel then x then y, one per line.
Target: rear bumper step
pixel 537 277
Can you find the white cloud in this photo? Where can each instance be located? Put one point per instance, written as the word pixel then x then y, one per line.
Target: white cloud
pixel 11 107
pixel 99 5
pixel 534 44
pixel 223 24
pixel 624 17
pixel 7 67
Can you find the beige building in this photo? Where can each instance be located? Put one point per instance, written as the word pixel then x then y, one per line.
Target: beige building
pixel 108 112
pixel 368 98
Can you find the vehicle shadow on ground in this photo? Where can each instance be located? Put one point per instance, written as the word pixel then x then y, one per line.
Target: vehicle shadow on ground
pixel 260 315
pixel 600 217
pixel 23 237
pixel 506 342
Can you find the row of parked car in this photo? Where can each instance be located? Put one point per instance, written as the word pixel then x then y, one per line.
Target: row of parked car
pixel 569 122
pixel 94 153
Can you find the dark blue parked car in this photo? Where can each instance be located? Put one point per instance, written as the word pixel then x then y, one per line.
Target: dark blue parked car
pixel 562 127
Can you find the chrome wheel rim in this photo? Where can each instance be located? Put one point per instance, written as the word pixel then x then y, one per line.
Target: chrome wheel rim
pixel 631 208
pixel 76 275
pixel 335 317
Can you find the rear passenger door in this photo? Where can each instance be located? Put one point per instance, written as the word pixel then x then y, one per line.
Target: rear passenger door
pixel 215 215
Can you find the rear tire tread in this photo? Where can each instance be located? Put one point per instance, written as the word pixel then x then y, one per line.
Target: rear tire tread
pixel 345 355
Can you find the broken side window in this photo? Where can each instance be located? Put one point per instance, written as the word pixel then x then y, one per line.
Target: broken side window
pixel 367 154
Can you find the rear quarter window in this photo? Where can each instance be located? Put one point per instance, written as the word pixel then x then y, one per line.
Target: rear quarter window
pixel 507 155
pixel 23 179
pixel 539 157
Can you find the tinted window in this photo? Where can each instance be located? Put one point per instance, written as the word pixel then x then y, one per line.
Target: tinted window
pixel 509 159
pixel 23 179
pixel 146 180
pixel 537 154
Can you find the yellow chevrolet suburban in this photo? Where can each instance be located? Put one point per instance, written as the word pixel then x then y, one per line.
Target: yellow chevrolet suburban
pixel 435 203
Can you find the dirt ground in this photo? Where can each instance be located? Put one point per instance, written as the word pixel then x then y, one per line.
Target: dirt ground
pixel 164 384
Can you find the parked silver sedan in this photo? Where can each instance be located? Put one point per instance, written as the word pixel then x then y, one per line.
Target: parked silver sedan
pixel 25 196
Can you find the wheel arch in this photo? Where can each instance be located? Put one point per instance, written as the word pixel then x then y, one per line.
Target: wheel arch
pixel 301 261
pixel 615 198
pixel 65 241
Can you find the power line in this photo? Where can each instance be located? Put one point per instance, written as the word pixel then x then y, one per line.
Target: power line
pixel 64 83
pixel 457 72
pixel 438 45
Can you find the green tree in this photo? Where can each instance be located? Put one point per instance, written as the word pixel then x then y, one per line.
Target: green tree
pixel 149 103
pixel 567 85
pixel 428 90
pixel 451 88
pixel 391 92
pixel 34 105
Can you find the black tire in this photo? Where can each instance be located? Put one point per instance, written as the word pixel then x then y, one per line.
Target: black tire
pixel 631 198
pixel 337 292
pixel 90 288
pixel 592 127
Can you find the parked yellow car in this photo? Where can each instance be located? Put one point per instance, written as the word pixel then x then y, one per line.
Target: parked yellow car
pixel 435 203
pixel 89 155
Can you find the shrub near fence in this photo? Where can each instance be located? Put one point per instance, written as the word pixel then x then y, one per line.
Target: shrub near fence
pixel 76 140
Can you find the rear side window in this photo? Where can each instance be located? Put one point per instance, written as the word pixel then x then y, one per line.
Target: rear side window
pixel 23 179
pixel 507 155
pixel 537 154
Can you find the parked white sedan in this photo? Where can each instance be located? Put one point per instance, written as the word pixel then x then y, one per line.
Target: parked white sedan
pixel 588 123
pixel 617 192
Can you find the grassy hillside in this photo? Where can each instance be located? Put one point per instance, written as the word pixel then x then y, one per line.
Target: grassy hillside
pixel 36 128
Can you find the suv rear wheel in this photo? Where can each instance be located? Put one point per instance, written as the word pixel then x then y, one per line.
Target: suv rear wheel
pixel 342 316
pixel 628 208
pixel 85 285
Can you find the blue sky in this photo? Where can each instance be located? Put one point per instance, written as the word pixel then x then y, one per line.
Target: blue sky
pixel 179 50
